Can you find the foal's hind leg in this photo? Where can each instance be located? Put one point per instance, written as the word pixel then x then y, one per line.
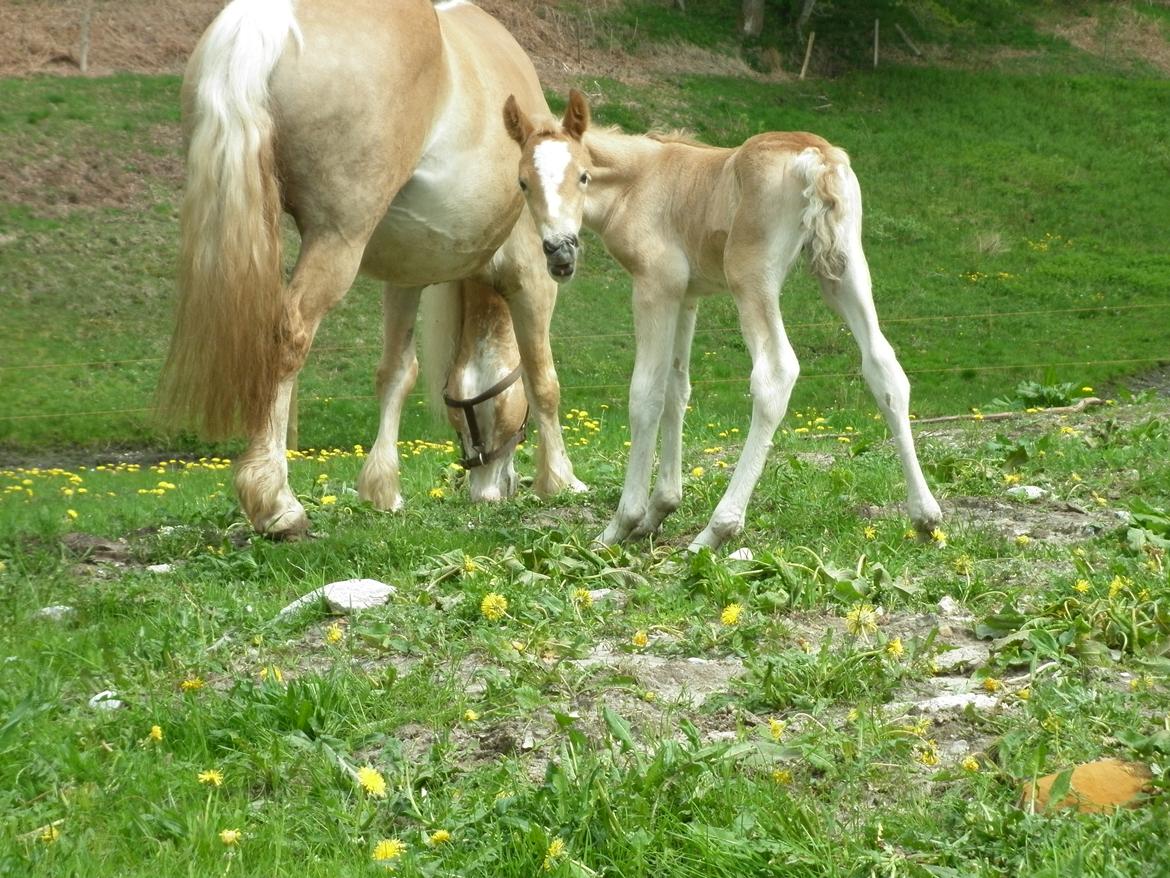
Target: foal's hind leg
pixel 323 274
pixel 378 482
pixel 852 298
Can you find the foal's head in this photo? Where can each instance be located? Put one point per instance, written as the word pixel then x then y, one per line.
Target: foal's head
pixel 554 174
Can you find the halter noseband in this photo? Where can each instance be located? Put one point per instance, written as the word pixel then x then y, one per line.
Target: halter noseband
pixel 478 455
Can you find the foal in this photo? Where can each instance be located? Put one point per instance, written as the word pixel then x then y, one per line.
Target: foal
pixel 685 220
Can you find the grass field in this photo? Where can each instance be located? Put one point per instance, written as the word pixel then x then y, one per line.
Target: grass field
pixel 526 703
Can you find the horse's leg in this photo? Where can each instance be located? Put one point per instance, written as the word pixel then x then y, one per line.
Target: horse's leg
pixel 531 296
pixel 756 260
pixel 324 272
pixel 667 494
pixel 378 482
pixel 852 298
pixel 656 315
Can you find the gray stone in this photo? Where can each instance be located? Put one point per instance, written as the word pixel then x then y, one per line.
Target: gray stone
pixel 954 704
pixel 107 699
pixel 963 658
pixel 346 596
pixel 55 613
pixel 1026 492
pixel 744 554
pixel 160 568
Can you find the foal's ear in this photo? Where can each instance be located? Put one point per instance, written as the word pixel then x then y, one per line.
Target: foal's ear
pixel 576 115
pixel 516 121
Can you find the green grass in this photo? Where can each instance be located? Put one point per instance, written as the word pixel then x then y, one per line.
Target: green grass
pixel 1014 222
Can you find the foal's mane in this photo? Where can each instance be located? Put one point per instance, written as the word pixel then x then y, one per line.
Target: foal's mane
pixel 678 135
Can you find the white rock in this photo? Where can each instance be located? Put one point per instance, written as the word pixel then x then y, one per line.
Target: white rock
pixel 744 554
pixel 953 610
pixel 1026 492
pixel 160 568
pixel 609 596
pixel 346 596
pixel 955 703
pixel 55 613
pixel 963 658
pixel 107 699
pixel 351 595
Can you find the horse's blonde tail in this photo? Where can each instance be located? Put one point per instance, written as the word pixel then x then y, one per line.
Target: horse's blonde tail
pixel 830 205
pixel 225 355
pixel 441 328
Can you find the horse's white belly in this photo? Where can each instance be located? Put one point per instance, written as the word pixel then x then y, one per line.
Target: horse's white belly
pixel 443 225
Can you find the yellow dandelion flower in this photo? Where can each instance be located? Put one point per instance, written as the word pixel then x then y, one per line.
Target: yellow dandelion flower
pixel 323 478
pixel 895 649
pixel 870 532
pixel 436 493
pixel 919 728
pixel 963 565
pixel 782 776
pixel 697 472
pixel 776 728
pixel 328 499
pixel 582 598
pixel 230 837
pixel 861 620
pixel 1142 682
pixel 853 715
pixel 1024 694
pixel 640 638
pixel 192 684
pixel 469 565
pixel 927 754
pixel 49 834
pixel 1023 540
pixel 371 781
pixel 556 850
pixel 470 715
pixel 389 849
pixel 1081 586
pixel 649 696
pixel 1011 479
pixel 493 606
pixel 731 614
pixel 334 634
pixel 439 836
pixel 992 684
pixel 212 776
pixel 72 513
pixel 271 671
pixel 156 733
pixel 939 536
pixel 1117 584
pixel 969 764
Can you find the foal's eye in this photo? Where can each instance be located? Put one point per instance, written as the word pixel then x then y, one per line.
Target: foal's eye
pixel 584 177
pixel 523 186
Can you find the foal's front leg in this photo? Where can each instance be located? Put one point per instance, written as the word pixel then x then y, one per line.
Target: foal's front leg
pixel 379 480
pixel 656 314
pixel 667 494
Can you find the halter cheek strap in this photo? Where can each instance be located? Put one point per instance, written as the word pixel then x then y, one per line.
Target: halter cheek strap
pixel 478 455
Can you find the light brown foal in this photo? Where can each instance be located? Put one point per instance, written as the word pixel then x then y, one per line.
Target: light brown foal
pixel 686 220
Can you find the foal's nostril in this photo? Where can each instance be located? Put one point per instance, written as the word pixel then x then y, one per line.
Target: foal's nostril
pixel 550 247
pixel 572 241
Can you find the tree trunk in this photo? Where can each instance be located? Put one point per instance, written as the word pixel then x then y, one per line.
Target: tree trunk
pixel 752 19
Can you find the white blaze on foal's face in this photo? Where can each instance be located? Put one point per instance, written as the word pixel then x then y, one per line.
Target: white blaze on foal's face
pixel 551 159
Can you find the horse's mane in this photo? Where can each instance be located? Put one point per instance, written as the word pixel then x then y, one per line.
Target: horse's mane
pixel 678 135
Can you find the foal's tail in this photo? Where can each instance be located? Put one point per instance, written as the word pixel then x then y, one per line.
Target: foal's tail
pixel 441 327
pixel 224 360
pixel 832 205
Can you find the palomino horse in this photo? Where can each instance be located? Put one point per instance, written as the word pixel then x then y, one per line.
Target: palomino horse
pixel 375 125
pixel 685 220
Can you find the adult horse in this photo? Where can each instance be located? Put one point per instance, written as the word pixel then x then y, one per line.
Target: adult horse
pixel 375 125
pixel 685 220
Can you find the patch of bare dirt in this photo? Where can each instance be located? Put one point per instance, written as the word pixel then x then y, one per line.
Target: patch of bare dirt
pixel 1123 36
pixel 1057 522
pixel 156 36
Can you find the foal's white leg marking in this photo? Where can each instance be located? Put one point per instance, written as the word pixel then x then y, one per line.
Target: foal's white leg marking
pixel 851 297
pixel 656 314
pixel 551 158
pixel 378 482
pixel 667 493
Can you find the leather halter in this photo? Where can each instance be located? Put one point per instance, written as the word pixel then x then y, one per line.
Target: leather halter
pixel 478 455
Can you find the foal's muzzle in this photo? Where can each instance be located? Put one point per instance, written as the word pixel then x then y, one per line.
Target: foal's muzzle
pixel 561 254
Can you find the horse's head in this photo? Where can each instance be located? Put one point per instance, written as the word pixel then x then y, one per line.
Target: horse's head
pixel 484 393
pixel 554 176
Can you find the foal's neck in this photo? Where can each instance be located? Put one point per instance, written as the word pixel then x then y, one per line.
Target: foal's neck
pixel 619 162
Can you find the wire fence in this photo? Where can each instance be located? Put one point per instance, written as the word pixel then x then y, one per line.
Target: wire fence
pixel 560 339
